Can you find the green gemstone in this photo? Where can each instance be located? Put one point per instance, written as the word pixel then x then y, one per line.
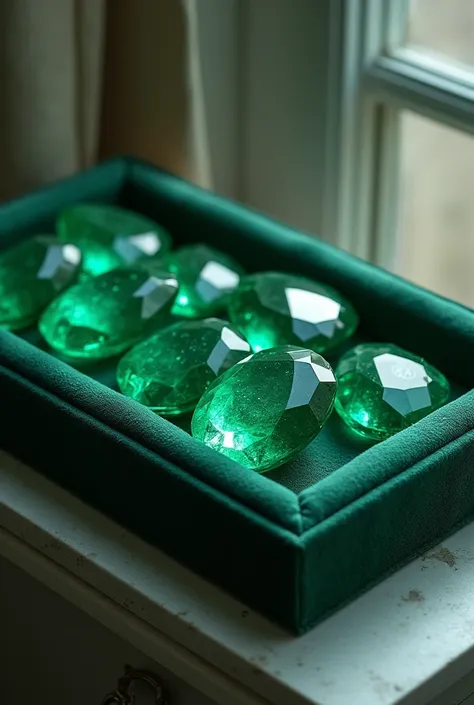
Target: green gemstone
pixel 384 389
pixel 206 277
pixel 267 408
pixel 110 237
pixel 32 273
pixel 108 314
pixel 170 371
pixel 272 308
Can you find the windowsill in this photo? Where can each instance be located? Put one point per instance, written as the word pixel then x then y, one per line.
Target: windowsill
pixel 410 636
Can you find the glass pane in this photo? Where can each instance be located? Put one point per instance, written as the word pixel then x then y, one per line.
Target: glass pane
pixel 436 221
pixel 445 27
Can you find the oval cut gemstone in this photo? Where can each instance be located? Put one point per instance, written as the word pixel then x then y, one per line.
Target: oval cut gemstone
pixel 32 273
pixel 170 371
pixel 267 408
pixel 206 277
pixel 110 237
pixel 384 389
pixel 273 308
pixel 106 315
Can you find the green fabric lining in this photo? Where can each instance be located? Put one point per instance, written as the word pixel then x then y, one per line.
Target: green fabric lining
pixel 131 484
pixel 383 461
pixel 137 423
pixel 293 557
pixel 395 521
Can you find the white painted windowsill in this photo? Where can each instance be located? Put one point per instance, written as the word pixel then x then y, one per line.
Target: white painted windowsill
pixel 407 640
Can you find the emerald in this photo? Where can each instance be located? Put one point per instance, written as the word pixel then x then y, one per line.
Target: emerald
pixel 384 389
pixel 32 273
pixel 108 314
pixel 109 236
pixel 267 408
pixel 272 308
pixel 206 277
pixel 170 371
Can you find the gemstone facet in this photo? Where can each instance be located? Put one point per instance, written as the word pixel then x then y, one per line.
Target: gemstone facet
pixel 384 389
pixel 32 273
pixel 110 237
pixel 273 308
pixel 106 315
pixel 170 371
pixel 267 408
pixel 206 277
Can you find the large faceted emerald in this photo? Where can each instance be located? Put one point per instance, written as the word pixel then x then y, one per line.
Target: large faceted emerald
pixel 170 371
pixel 108 314
pixel 31 274
pixel 273 308
pixel 267 408
pixel 206 278
pixel 384 389
pixel 109 236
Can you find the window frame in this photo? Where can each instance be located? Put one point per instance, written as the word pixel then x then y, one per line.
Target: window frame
pixel 312 94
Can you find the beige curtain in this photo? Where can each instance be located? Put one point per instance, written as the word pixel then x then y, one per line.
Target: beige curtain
pixel 82 80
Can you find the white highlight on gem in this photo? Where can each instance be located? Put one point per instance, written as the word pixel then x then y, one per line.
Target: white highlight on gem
pixel 154 292
pixel 220 276
pixel 228 441
pixel 405 383
pixel 312 313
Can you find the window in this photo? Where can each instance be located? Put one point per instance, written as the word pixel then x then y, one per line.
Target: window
pixel 420 81
pixel 442 28
pixel 435 223
pixel 354 119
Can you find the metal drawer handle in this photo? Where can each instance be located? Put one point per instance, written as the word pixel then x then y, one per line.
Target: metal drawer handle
pixel 124 694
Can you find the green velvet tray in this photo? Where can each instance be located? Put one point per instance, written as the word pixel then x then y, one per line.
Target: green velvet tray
pixel 301 540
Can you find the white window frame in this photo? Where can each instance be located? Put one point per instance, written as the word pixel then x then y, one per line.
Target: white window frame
pixel 304 123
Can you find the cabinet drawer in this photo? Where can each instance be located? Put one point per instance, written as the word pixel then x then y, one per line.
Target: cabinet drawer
pixel 56 654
